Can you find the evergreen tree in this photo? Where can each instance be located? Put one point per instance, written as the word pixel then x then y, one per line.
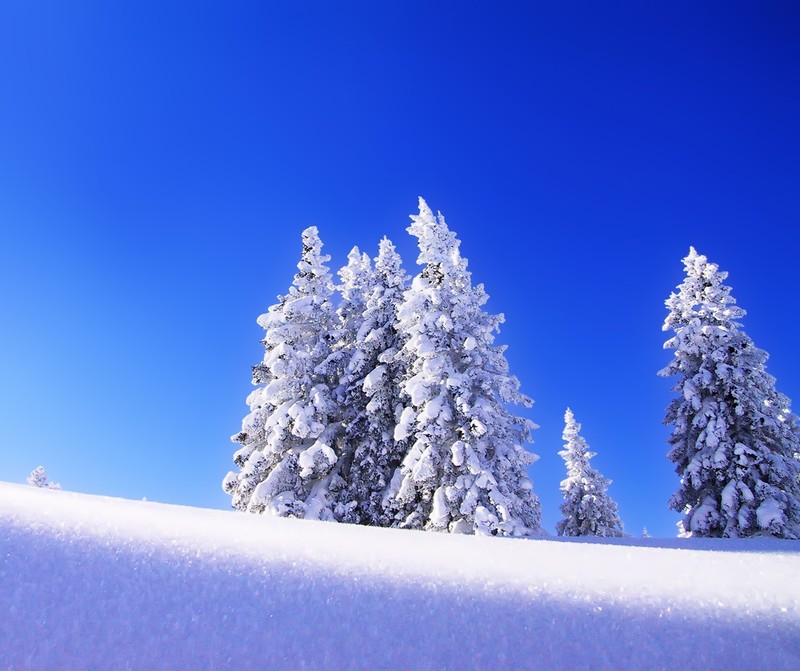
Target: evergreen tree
pixel 290 438
pixel 38 478
pixel 587 508
pixel 356 278
pixel 372 396
pixel 465 470
pixel 356 283
pixel 734 436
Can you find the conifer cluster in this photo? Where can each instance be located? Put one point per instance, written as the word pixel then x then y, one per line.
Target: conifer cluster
pixel 385 403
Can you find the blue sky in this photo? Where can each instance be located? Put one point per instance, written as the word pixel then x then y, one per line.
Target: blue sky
pixel 158 162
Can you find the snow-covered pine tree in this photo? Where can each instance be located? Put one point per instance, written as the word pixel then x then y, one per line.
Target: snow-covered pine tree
pixel 355 281
pixel 734 435
pixel 372 397
pixel 290 437
pixel 38 478
pixel 465 470
pixel 588 510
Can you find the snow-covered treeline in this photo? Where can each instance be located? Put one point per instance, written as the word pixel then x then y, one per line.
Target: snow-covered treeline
pixel 386 403
pixel 384 400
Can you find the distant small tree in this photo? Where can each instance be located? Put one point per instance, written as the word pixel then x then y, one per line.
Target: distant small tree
pixel 645 533
pixel 588 510
pixel 734 437
pixel 38 478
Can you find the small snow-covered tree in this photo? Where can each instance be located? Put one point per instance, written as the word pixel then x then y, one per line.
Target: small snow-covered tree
pixel 38 478
pixel 588 510
pixel 734 436
pixel 289 439
pixel 465 469
pixel 372 396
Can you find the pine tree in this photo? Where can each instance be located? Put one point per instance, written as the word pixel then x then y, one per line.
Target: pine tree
pixel 356 283
pixel 734 436
pixel 356 278
pixel 38 478
pixel 465 470
pixel 290 438
pixel 372 397
pixel 587 508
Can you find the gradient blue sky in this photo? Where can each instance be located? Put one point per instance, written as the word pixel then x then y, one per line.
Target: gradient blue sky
pixel 158 161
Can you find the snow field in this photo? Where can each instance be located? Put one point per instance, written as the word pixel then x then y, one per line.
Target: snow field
pixel 90 582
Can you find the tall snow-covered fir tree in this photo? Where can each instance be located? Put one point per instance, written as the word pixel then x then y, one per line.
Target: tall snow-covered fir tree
pixel 734 436
pixel 588 510
pixel 465 469
pixel 290 437
pixel 372 395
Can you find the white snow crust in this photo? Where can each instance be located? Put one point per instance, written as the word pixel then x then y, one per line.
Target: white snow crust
pixel 90 582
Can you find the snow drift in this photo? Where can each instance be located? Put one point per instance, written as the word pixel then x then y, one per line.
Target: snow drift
pixel 88 582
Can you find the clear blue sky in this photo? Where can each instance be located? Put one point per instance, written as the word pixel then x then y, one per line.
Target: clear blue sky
pixel 158 162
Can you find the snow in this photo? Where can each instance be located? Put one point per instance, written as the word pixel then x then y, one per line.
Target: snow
pixel 374 379
pixel 90 582
pixel 770 514
pixel 404 425
pixel 318 457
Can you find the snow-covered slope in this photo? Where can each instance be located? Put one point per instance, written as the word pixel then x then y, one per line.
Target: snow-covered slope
pixel 89 582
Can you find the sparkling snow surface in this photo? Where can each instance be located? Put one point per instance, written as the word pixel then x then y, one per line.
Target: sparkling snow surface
pixel 88 582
